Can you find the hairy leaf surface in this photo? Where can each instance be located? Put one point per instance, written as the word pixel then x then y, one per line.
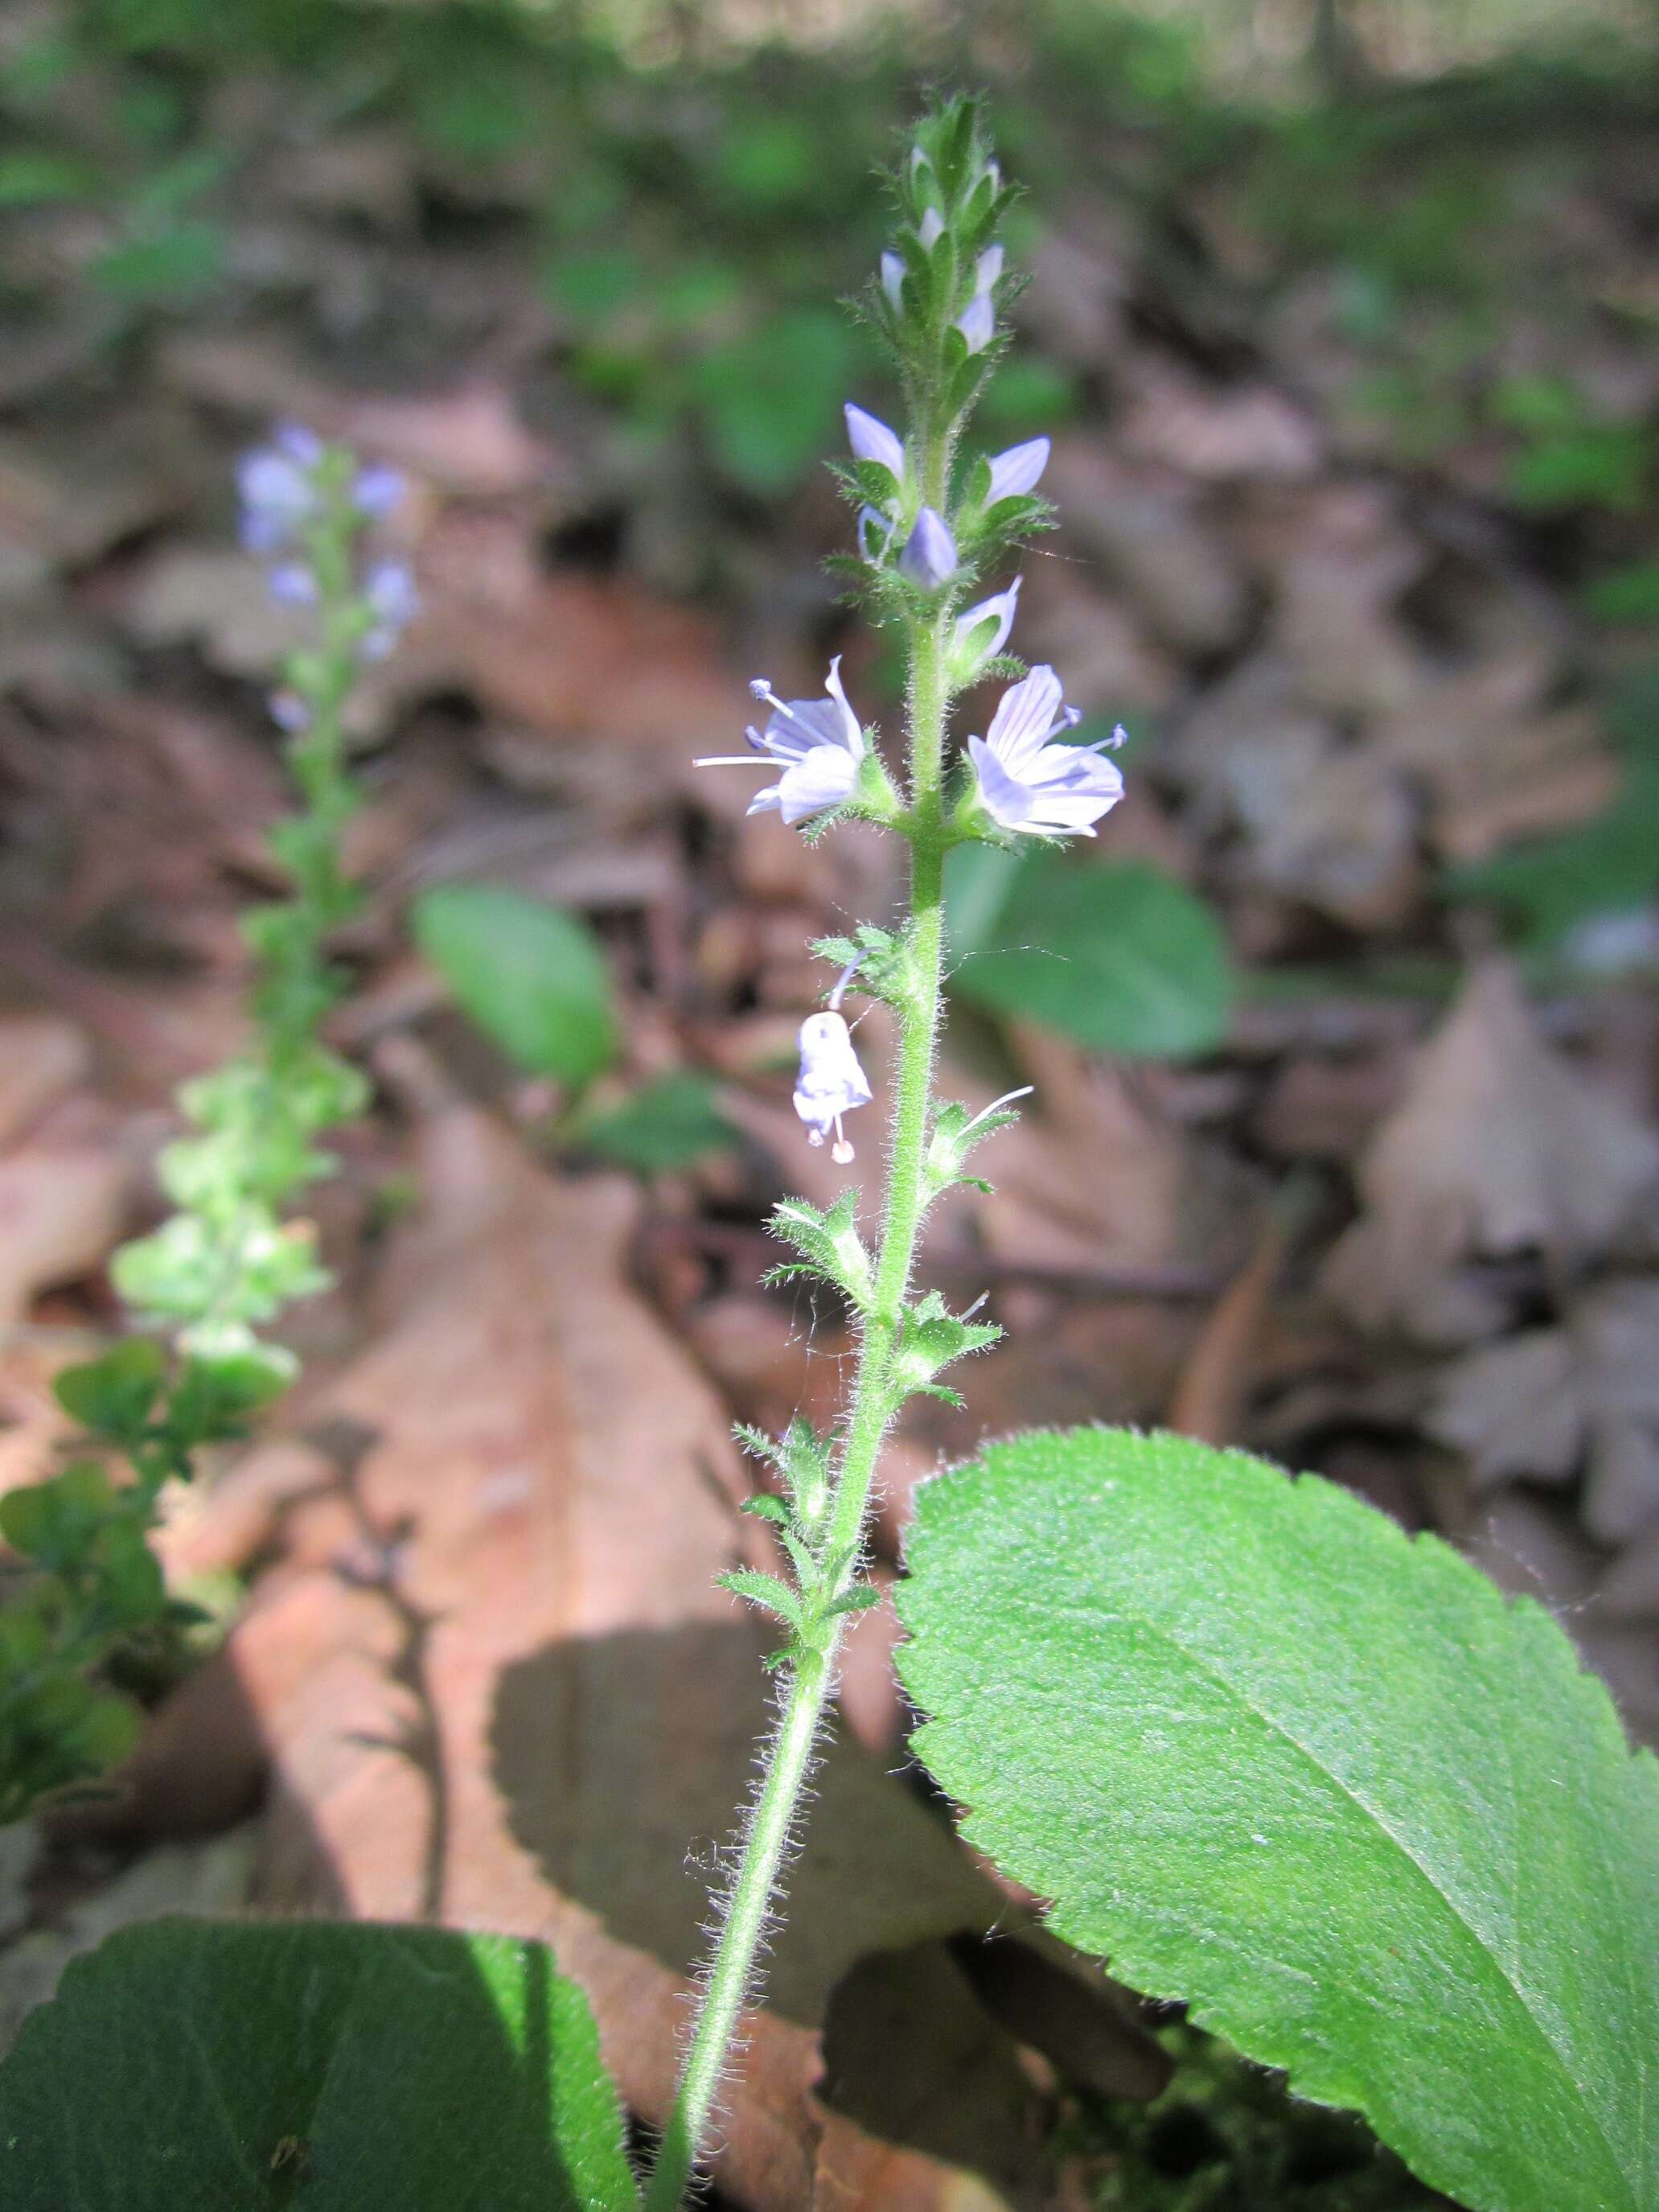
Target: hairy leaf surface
pixel 1324 1782
pixel 195 2066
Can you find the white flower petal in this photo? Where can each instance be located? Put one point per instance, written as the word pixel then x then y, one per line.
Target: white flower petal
pixel 1024 716
pixel 872 441
pixel 1018 471
pixel 999 608
pixel 978 322
pixel 823 777
pixel 852 731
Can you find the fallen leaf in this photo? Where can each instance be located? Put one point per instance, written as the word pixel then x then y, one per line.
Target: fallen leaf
pixel 1550 1399
pixel 42 1057
pixel 1145 529
pixel 1500 1147
pixel 61 1211
pixel 1223 436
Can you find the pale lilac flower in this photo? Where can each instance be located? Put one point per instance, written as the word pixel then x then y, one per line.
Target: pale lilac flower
pixel 389 590
pixel 892 279
pixel 1027 781
pixel 978 322
pixel 929 557
pixel 1017 471
pixel 931 228
pixel 820 742
pixel 278 494
pixel 830 1083
pixel 289 712
pixel 1000 608
pixel 292 584
pixel 872 441
pixel 377 490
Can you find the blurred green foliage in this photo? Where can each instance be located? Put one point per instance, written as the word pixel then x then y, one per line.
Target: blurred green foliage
pixel 535 981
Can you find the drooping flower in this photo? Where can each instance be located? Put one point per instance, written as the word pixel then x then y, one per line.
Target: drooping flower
pixel 1018 471
pixel 1029 782
pixel 820 743
pixel 999 608
pixel 929 557
pixel 872 441
pixel 831 1082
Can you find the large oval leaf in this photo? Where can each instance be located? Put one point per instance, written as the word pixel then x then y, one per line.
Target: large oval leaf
pixel 220 2066
pixel 1322 1781
pixel 531 975
pixel 1115 953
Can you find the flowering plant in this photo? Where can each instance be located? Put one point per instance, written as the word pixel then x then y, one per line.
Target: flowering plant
pixel 231 1257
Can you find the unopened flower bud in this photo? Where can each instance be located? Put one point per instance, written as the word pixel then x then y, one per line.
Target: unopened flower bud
pixel 929 557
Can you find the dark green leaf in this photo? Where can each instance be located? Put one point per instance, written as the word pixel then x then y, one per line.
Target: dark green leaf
pixel 114 1394
pixel 216 2067
pixel 1324 1783
pixel 531 975
pixel 665 1125
pixel 1115 953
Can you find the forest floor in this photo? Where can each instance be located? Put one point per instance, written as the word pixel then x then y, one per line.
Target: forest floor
pixel 1354 411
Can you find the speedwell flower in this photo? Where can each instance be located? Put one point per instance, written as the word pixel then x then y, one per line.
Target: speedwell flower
pixel 999 608
pixel 1017 471
pixel 872 441
pixel 278 488
pixel 390 593
pixel 830 1083
pixel 1027 781
pixel 820 742
pixel 978 320
pixel 929 557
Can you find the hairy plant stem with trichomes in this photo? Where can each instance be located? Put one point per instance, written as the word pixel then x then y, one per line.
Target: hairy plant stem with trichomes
pixel 930 525
pixel 812 1678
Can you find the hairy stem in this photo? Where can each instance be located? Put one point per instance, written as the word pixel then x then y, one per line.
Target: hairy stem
pixel 790 1754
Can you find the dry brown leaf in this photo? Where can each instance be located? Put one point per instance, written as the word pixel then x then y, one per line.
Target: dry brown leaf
pixel 1497 765
pixel 1226 436
pixel 573 656
pixel 1156 549
pixel 469 440
pixel 1551 1398
pixel 42 1057
pixel 62 1207
pixel 1500 1147
pixel 498 1684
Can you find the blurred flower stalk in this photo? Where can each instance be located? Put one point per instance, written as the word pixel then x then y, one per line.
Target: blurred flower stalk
pixel 231 1257
pixel 932 526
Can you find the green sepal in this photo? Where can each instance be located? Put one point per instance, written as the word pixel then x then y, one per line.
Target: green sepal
pixel 930 1337
pixel 767 1591
pixel 765 1507
pixel 859 1599
pixel 955 1134
pixel 828 1243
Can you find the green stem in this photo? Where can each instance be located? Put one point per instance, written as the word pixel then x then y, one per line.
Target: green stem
pixel 810 1685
